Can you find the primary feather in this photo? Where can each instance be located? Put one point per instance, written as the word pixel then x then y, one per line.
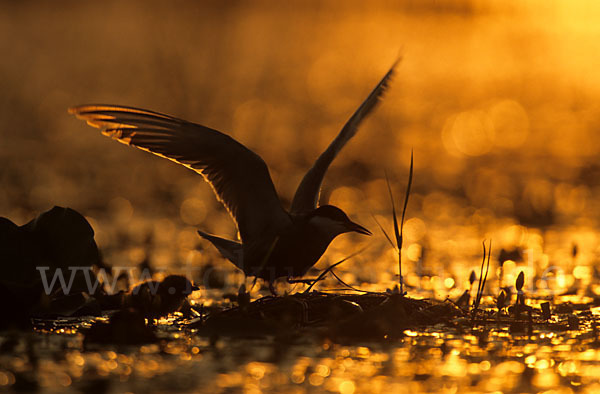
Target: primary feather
pixel 239 177
pixel 306 197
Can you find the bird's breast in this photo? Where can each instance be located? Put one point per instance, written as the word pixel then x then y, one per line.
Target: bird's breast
pixel 291 253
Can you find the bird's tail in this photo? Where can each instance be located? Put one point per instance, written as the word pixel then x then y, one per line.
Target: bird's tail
pixel 231 250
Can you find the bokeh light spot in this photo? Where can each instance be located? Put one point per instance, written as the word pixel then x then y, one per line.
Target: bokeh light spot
pixel 347 387
pixel 192 211
pixel 121 209
pixel 472 133
pixel 415 229
pixel 510 122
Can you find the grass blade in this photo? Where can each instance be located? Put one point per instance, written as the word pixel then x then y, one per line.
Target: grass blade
pixel 398 230
pixel 482 276
pixel 322 275
pixel 384 232
pixel 347 285
pixel 487 266
pixel 394 216
pixel 400 238
pixel 410 178
pixel 478 295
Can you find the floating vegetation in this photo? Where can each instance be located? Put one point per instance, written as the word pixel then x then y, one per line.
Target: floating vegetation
pixel 338 317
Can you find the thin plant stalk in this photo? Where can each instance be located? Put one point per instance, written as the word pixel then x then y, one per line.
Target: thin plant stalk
pixel 398 230
pixel 483 277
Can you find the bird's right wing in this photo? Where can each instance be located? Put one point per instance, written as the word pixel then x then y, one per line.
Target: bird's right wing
pixel 239 177
pixel 307 194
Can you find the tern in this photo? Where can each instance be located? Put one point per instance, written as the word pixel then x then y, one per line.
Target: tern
pixel 275 242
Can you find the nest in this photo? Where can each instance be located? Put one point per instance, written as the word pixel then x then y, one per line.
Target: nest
pixel 339 317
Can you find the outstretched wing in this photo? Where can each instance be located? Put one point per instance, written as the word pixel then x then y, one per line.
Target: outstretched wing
pixel 307 194
pixel 239 177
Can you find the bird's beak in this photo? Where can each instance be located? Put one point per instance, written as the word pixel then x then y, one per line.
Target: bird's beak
pixel 357 228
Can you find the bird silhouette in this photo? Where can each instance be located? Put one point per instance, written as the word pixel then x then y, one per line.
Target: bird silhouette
pixel 275 242
pixel 155 299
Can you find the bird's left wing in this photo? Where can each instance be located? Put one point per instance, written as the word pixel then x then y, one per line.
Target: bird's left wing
pixel 239 177
pixel 307 194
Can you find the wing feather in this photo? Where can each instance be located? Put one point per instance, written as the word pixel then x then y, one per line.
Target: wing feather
pixel 306 197
pixel 239 177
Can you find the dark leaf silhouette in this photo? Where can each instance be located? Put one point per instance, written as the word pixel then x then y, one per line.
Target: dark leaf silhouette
pixel 520 281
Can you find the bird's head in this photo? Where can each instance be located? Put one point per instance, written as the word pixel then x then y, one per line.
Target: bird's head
pixel 177 285
pixel 334 221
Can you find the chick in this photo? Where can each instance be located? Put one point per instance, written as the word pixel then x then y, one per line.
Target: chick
pixel 156 299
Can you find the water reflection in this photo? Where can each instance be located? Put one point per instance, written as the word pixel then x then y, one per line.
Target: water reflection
pixel 423 362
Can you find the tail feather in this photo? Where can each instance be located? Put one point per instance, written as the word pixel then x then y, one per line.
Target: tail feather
pixel 231 250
